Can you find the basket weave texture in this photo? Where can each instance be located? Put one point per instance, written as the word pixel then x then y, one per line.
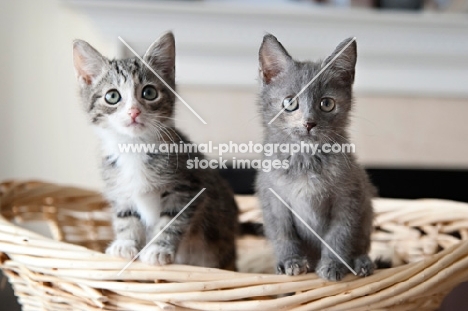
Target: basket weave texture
pixel 68 271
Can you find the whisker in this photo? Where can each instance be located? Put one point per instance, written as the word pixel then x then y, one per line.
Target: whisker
pixel 166 132
pixel 175 132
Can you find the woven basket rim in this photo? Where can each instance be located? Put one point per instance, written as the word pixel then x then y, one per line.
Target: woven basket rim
pixel 27 254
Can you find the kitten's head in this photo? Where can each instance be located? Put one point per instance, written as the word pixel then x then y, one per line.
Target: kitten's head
pixel 320 111
pixel 124 97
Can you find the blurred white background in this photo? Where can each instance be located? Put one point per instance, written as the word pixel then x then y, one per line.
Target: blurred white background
pixel 411 90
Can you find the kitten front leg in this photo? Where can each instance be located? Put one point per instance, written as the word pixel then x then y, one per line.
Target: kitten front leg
pixel 349 237
pixel 330 267
pixel 280 230
pixel 130 234
pixel 162 251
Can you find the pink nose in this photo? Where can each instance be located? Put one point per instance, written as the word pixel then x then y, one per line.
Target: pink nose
pixel 134 112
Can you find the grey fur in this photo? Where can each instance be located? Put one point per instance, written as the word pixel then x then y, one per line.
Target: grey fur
pixel 331 192
pixel 146 191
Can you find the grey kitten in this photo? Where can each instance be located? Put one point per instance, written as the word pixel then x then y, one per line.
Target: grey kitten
pixel 329 191
pixel 127 103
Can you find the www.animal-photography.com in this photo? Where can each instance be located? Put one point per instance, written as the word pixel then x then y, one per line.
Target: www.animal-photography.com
pixel 234 155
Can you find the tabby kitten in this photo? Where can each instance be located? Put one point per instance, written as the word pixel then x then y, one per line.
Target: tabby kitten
pixel 329 191
pixel 127 103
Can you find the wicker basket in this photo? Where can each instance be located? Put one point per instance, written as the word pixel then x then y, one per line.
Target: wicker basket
pixel 427 239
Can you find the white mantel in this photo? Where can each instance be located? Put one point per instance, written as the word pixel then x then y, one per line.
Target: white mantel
pixel 421 54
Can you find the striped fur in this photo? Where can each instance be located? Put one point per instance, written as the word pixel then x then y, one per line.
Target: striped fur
pixel 147 191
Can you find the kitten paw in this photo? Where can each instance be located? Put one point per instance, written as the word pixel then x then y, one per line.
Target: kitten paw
pixel 123 248
pixel 157 255
pixel 293 266
pixel 331 270
pixel 363 265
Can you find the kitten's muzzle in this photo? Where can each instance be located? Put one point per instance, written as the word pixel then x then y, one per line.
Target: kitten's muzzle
pixel 309 125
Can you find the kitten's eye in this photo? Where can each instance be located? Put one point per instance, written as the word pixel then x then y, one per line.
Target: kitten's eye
pixel 290 104
pixel 149 93
pixel 112 97
pixel 327 104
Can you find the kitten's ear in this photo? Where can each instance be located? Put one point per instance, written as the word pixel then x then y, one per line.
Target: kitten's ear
pixel 344 65
pixel 161 55
pixel 89 63
pixel 274 59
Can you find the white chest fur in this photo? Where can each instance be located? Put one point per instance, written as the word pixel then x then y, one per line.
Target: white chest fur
pixel 304 195
pixel 300 187
pixel 134 184
pixel 134 173
pixel 139 182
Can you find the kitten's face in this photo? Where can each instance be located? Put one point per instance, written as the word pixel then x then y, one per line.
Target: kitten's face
pixel 123 97
pixel 318 113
